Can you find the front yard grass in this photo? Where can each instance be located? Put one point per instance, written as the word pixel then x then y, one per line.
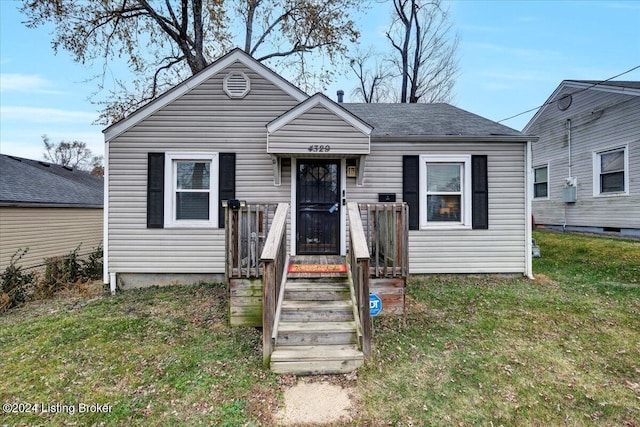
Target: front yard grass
pixel 563 349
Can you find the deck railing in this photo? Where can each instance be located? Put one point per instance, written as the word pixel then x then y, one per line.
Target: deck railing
pixel 386 227
pixel 274 259
pixel 359 269
pixel 245 233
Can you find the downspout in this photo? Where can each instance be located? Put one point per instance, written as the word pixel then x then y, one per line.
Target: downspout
pixel 106 277
pixel 527 210
pixel 567 126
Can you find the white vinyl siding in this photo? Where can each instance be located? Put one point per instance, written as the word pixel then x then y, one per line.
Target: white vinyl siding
pixel 318 131
pixel 47 232
pixel 599 121
pixel 500 249
pixel 203 120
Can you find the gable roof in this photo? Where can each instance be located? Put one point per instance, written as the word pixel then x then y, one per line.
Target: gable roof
pixel 26 182
pixel 612 86
pixel 430 121
pixel 322 100
pixel 236 55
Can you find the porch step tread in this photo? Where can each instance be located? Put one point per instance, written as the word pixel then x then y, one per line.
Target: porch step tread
pixel 317 305
pixel 317 327
pixel 316 352
pixel 294 285
pixel 317 367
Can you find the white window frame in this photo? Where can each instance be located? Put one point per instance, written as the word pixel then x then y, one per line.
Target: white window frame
pixel 597 171
pixel 465 187
pixel 170 183
pixel 534 182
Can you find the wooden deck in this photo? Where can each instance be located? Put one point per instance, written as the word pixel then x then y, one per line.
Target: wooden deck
pixel 314 319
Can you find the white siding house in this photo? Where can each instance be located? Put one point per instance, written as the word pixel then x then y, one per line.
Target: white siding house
pixel 238 130
pixel 586 163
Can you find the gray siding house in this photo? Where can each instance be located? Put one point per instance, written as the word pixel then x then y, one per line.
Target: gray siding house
pixel 238 130
pixel 586 162
pixel 47 208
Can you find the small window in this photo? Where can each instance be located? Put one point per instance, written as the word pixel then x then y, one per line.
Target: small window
pixel 446 194
pixel 191 190
pixel 611 172
pixel 541 182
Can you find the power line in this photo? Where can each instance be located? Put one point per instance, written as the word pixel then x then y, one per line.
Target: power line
pixel 572 93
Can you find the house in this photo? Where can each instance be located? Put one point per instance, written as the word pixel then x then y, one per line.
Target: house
pixel 236 173
pixel 586 164
pixel 47 208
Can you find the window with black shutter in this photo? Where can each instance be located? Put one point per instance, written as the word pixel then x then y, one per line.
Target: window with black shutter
pixel 185 189
pixel 446 191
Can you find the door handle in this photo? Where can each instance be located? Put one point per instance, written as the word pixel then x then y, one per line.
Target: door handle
pixel 334 208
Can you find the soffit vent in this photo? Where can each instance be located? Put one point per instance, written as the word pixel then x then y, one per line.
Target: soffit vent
pixel 236 84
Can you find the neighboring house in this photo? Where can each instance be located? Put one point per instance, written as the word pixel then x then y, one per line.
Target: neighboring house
pixel 586 163
pixel 238 130
pixel 47 208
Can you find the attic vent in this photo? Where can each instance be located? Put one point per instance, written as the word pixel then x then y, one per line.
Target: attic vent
pixel 236 84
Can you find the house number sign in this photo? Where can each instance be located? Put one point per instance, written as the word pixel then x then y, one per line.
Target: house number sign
pixel 319 148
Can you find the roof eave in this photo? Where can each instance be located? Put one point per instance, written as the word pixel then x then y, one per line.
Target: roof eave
pixel 18 204
pixel 453 138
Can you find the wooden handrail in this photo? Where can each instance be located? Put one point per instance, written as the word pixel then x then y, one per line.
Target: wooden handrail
pixel 245 231
pixel 273 257
pixel 386 228
pixel 359 264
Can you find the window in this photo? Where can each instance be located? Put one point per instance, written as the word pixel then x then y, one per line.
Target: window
pixel 191 190
pixel 445 191
pixel 541 182
pixel 611 172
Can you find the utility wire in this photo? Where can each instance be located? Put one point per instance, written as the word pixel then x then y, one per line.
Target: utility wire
pixel 572 93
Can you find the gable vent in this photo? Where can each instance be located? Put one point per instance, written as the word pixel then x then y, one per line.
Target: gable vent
pixel 236 84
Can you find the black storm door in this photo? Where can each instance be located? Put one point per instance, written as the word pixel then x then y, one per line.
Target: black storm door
pixel 318 194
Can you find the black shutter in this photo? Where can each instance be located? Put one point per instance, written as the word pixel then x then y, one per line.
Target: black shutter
pixel 155 190
pixel 410 189
pixel 480 193
pixel 226 182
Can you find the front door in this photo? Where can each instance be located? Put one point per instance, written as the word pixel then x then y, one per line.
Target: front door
pixel 318 194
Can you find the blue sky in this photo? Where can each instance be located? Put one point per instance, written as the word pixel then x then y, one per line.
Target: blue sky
pixel 513 54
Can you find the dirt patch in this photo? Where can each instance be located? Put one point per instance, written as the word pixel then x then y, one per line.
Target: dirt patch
pixel 544 280
pixel 316 401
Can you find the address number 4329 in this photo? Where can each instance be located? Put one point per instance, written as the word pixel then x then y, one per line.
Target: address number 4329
pixel 319 148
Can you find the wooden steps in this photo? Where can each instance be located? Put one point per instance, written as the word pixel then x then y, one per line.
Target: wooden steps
pixel 316 331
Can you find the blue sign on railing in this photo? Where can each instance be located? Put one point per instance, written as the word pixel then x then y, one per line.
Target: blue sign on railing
pixel 375 304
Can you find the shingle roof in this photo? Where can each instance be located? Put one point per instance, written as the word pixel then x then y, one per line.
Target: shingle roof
pixel 400 120
pixel 31 182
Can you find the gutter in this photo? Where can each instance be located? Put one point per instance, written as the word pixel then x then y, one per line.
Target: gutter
pixel 17 204
pixel 453 138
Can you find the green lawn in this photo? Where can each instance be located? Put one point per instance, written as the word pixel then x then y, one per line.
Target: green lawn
pixel 561 350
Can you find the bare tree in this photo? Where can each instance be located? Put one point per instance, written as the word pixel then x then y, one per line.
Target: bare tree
pixel 73 154
pixel 373 81
pixel 289 30
pixel 165 42
pixel 424 50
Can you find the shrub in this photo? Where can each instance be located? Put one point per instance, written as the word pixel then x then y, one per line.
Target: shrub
pixel 14 282
pixel 91 268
